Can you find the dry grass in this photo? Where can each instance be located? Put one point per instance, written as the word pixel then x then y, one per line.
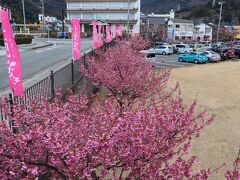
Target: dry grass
pixel 217 87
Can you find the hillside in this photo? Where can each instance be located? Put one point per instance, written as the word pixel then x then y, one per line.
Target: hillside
pixel 33 8
pixel 164 6
pixel 190 9
pixel 230 13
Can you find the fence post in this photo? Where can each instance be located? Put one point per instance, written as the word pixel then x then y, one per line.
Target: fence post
pixel 72 69
pixel 52 85
pixel 84 64
pixel 11 122
pixel 84 60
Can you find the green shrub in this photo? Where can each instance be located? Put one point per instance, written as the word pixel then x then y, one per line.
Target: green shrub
pixel 20 39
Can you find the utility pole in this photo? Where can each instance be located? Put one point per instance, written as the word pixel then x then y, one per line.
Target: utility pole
pixel 220 18
pixel 213 3
pixel 128 26
pixel 24 18
pixel 43 20
pixel 179 6
pixel 63 21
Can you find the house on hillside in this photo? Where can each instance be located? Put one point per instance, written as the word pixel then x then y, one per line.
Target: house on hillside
pixel 108 11
pixel 202 32
pixel 180 30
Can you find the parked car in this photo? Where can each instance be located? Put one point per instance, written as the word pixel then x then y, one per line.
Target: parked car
pixel 62 35
pixel 149 55
pixel 195 57
pixel 160 44
pixel 212 56
pixel 225 52
pixel 237 51
pixel 164 50
pixel 183 48
pixel 196 47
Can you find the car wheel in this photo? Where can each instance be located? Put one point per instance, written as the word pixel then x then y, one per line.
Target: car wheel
pixel 196 61
pixel 164 53
pixel 180 60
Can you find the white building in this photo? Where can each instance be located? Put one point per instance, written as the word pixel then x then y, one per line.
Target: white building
pixel 180 30
pixel 171 15
pixel 113 12
pixel 202 32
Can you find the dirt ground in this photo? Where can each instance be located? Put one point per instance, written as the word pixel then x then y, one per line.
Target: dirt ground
pixel 217 87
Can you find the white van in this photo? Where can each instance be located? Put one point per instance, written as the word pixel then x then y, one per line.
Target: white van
pixel 183 48
pixel 164 50
pixel 149 55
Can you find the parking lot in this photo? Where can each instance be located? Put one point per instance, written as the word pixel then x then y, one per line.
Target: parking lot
pixel 167 61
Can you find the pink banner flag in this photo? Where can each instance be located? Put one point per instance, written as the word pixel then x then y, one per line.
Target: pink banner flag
pixel 76 39
pixel 118 30
pixel 100 40
pixel 95 35
pixel 109 35
pixel 12 56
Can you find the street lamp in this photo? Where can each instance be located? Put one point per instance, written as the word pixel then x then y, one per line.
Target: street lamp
pixel 43 15
pixel 220 18
pixel 24 17
pixel 128 17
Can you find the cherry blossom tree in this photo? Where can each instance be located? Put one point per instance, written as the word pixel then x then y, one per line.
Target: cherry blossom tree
pixel 235 174
pixel 125 73
pixel 140 132
pixel 70 140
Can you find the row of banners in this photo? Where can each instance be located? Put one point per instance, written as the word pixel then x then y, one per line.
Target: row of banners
pixel 13 56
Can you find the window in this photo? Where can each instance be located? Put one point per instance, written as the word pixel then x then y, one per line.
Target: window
pixel 115 5
pixel 115 16
pixel 208 30
pixel 177 26
pixel 183 37
pixel 190 26
pixel 88 16
pixel 73 5
pixel 87 5
pixel 197 29
pixel 101 5
pixel 170 26
pixel 102 16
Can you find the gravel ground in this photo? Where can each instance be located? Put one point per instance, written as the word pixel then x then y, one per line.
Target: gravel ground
pixel 217 89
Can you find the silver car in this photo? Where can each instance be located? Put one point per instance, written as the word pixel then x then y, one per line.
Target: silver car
pixel 212 56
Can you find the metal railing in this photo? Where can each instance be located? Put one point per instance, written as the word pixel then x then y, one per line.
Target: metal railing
pixel 62 80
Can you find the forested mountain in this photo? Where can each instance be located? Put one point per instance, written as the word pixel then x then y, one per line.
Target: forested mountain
pixel 190 9
pixel 33 8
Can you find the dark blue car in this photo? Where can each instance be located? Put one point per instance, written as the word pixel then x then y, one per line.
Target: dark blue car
pixel 63 35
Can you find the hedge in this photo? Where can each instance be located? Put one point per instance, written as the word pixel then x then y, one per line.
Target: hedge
pixel 20 39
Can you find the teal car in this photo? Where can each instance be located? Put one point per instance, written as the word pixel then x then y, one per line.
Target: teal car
pixel 194 57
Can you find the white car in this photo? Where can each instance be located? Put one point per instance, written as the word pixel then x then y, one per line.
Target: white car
pixel 183 48
pixel 149 55
pixel 212 56
pixel 164 50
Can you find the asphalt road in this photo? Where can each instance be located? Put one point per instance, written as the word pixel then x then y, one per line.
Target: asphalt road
pixel 35 61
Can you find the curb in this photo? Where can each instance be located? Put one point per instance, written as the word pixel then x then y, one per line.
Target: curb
pixel 39 47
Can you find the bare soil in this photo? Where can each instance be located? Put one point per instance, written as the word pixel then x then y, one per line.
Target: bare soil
pixel 216 87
